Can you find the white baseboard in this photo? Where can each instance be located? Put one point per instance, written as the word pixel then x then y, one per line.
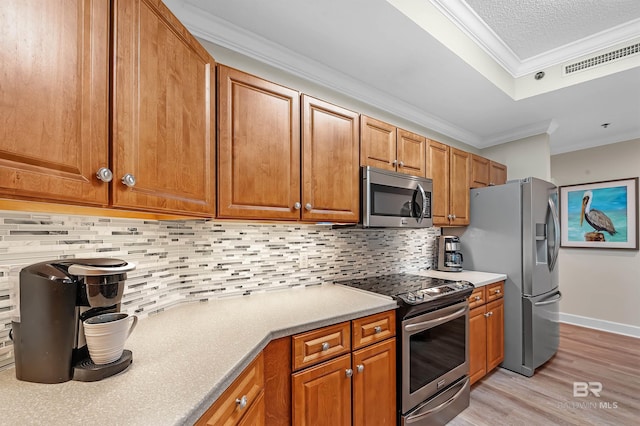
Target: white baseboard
pixel 612 327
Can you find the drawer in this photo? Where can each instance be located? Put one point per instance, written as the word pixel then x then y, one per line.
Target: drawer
pixel 320 345
pixel 495 291
pixel 477 298
pixel 373 328
pixel 227 410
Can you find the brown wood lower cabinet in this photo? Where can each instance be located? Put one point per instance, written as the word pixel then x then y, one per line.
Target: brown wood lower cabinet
pixel 317 378
pixel 322 394
pixel 486 330
pixel 357 388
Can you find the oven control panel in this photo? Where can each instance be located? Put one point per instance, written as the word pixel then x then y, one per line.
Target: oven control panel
pixel 429 294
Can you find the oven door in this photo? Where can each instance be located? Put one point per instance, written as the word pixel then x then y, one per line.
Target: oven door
pixel 392 199
pixel 435 353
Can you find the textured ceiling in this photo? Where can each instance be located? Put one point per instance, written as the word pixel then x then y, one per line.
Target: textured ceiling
pixel 533 27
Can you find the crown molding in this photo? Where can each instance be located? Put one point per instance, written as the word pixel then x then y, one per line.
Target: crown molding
pixel 223 33
pixel 465 18
pixel 547 126
pixel 595 142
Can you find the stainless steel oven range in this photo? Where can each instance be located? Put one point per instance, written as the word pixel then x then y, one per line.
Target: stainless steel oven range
pixel 432 345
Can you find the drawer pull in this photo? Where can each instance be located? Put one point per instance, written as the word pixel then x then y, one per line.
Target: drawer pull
pixel 377 329
pixel 242 402
pixel 348 372
pixel 360 368
pixel 478 297
pixel 497 291
pixel 325 346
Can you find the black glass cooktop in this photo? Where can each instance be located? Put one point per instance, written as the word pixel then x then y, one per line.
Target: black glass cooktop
pixel 413 289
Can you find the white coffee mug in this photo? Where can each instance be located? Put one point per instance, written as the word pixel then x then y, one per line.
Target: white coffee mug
pixel 106 334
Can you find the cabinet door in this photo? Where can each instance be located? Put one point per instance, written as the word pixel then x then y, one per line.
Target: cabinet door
pixel 459 185
pixel 411 152
pixel 438 171
pixel 497 173
pixel 163 112
pixel 495 333
pixel 377 144
pixel 255 416
pixel 54 100
pixel 330 162
pixel 374 384
pixel 258 148
pixel 322 394
pixel 477 344
pixel 479 172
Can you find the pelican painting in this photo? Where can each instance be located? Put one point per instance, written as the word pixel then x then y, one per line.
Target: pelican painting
pixel 598 220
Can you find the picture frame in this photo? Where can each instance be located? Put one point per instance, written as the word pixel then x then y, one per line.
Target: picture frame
pixel 601 215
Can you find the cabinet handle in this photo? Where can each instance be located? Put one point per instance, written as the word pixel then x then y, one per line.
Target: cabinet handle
pixel 488 314
pixel 104 174
pixel 401 164
pixel 348 372
pixel 297 205
pixel 242 402
pixel 360 368
pixel 129 180
pixel 325 346
pixel 377 329
pixel 308 207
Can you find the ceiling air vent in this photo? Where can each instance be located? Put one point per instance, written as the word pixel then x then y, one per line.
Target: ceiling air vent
pixel 602 59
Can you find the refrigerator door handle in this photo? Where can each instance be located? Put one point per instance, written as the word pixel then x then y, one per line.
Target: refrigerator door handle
pixel 556 235
pixel 549 301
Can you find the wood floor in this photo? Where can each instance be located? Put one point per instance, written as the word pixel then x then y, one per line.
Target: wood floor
pixel 584 355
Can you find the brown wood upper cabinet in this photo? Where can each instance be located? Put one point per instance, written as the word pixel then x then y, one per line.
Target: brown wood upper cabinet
pixel 389 148
pixel 449 168
pixel 485 172
pixel 262 171
pixel 163 110
pixel 55 137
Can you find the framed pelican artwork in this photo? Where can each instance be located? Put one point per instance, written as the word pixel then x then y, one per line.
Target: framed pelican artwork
pixel 600 215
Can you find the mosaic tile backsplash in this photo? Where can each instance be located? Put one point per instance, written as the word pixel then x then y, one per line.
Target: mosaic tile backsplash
pixel 196 260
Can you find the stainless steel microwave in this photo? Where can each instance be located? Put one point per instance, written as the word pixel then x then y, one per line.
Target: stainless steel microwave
pixel 395 200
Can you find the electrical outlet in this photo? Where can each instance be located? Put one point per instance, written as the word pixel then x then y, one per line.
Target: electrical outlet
pixel 303 261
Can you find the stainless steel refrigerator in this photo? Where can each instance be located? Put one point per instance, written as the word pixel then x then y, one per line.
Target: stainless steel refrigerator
pixel 515 230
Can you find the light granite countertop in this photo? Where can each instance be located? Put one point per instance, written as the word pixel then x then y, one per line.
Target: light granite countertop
pixel 478 279
pixel 184 358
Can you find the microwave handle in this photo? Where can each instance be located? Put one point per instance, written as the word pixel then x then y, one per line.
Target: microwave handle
pixel 424 203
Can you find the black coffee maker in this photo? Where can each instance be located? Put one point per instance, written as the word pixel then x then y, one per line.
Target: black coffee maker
pixel 55 297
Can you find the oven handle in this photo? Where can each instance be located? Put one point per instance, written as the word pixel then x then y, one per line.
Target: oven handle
pixel 434 322
pixel 417 417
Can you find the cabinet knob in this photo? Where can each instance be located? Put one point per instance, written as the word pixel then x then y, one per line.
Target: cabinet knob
pixel 401 164
pixel 377 329
pixel 325 346
pixel 394 162
pixel 308 207
pixel 104 174
pixel 449 216
pixel 497 291
pixel 348 372
pixel 297 205
pixel 242 402
pixel 478 297
pixel 360 368
pixel 129 180
pixel 488 314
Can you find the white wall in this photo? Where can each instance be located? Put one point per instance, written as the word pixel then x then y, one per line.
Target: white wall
pixel 524 157
pixel 601 288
